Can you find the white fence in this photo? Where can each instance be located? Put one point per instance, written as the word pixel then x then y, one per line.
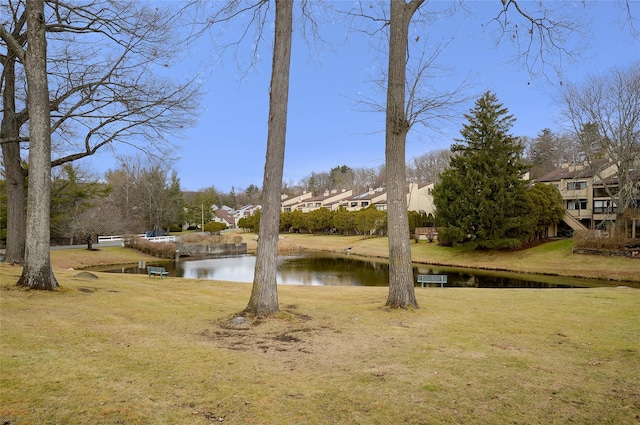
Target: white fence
pixel 162 239
pixel 119 238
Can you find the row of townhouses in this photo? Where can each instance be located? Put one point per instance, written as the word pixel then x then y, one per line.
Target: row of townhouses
pixel 419 199
pixel 587 203
pixel 586 200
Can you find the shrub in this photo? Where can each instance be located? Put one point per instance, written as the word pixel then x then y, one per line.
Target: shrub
pixel 451 235
pixel 597 239
pixel 214 226
pixel 157 249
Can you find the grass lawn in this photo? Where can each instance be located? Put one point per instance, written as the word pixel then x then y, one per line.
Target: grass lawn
pixel 128 349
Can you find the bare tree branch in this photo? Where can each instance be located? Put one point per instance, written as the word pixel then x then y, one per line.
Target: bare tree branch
pixel 540 31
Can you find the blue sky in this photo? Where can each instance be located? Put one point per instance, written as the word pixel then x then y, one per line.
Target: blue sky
pixel 326 127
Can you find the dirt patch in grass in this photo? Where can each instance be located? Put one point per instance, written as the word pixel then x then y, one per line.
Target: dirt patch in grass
pixel 288 331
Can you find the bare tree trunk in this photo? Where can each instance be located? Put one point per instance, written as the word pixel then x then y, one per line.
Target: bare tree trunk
pixel 264 293
pixel 401 289
pixel 14 173
pixel 37 272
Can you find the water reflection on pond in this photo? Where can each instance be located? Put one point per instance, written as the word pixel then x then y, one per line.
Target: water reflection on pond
pixel 327 269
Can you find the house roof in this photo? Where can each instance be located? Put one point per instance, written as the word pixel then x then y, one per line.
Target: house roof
pixel 326 195
pixel 224 215
pixel 370 194
pixel 613 179
pixel 572 172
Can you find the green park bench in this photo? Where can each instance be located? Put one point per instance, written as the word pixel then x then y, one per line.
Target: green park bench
pixel 157 271
pixel 432 278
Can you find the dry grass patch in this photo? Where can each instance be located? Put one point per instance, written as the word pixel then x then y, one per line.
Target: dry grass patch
pixel 126 349
pixel 83 258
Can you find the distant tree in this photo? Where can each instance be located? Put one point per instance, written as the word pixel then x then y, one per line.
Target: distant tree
pixel 229 199
pixel 604 116
pixel 548 151
pixel 123 198
pixel 319 221
pixel 482 196
pixel 419 219
pixel 370 221
pixel 174 215
pixel 252 193
pixel 428 167
pixel 198 205
pixel 341 177
pixel 298 221
pixel 72 193
pixel 248 223
pixel 285 221
pixel 366 178
pixel 545 209
pixel 146 195
pixel 102 218
pixel 317 183
pixel 543 153
pixel 290 188
pixel 344 221
pixel 214 227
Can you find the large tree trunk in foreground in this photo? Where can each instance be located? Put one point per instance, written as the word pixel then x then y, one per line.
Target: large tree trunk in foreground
pixel 37 272
pixel 264 293
pixel 14 173
pixel 401 286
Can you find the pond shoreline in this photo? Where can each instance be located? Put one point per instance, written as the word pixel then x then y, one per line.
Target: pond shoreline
pixel 325 268
pixel 551 258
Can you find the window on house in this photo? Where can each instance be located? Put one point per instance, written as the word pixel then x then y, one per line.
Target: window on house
pixel 604 207
pixel 354 204
pixel 318 204
pixel 310 205
pixel 577 204
pixel 287 209
pixel 364 204
pixel 600 192
pixel 576 185
pixel 381 207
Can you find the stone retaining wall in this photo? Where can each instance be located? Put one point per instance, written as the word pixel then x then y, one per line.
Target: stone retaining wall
pixel 204 250
pixel 628 252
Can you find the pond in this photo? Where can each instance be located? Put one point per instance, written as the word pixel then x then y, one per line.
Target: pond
pixel 328 269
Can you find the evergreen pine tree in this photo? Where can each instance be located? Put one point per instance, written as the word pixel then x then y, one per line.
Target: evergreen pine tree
pixel 481 196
